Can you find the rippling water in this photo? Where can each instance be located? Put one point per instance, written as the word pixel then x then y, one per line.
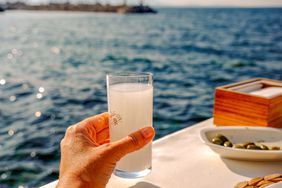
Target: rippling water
pixel 53 67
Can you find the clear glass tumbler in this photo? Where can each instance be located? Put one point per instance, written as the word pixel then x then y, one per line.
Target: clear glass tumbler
pixel 130 104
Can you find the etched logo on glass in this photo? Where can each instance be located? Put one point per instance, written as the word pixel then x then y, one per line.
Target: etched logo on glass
pixel 115 119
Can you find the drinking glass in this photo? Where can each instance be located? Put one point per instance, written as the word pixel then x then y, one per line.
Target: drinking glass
pixel 130 104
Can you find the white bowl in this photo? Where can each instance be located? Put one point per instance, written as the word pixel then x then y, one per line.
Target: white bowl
pixel 241 134
pixel 275 185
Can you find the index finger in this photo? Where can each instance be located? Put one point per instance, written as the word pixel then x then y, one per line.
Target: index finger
pixel 98 122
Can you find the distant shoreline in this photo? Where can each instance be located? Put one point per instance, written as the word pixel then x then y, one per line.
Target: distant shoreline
pixel 124 9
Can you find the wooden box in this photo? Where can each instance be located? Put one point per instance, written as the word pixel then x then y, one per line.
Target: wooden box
pixel 255 102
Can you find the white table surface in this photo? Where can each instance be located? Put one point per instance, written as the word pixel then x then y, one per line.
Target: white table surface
pixel 181 160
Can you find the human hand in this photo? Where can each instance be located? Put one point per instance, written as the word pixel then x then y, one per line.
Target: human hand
pixel 87 157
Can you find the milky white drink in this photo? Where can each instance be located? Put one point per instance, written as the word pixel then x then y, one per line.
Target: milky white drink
pixel 131 108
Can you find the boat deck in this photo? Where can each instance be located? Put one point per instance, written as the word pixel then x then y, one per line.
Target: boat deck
pixel 182 160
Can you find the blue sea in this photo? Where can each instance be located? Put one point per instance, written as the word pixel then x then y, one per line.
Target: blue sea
pixel 53 67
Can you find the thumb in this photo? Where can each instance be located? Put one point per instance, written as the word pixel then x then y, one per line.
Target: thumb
pixel 133 142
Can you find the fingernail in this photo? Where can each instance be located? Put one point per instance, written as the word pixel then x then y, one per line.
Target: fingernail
pixel 147 132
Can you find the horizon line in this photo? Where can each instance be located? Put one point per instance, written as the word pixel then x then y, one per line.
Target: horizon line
pixel 212 6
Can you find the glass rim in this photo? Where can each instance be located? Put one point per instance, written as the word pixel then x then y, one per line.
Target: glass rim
pixel 130 74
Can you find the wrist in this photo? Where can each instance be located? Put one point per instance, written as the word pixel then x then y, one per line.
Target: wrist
pixel 69 182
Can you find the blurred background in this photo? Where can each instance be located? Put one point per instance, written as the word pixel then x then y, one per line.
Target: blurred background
pixel 53 67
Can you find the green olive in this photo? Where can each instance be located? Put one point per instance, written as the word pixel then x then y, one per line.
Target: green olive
pixel 217 141
pixel 246 144
pixel 264 147
pixel 254 147
pixel 222 140
pixel 275 148
pixel 238 146
pixel 228 144
pixel 222 137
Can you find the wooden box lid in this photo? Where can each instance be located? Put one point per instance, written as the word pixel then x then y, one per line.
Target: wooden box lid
pixel 255 102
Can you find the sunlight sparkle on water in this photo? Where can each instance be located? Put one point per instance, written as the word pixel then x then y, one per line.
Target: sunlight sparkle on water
pixel 2 82
pixel 37 114
pixel 14 51
pixel 10 56
pixel 11 132
pixel 13 98
pixel 39 96
pixel 33 154
pixel 55 50
pixel 4 176
pixel 41 89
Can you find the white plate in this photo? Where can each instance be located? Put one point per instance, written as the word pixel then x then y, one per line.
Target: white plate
pixel 241 134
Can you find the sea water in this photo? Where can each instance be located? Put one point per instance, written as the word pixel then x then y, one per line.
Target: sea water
pixel 189 51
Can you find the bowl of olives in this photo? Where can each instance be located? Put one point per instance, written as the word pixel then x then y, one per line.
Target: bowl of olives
pixel 244 143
